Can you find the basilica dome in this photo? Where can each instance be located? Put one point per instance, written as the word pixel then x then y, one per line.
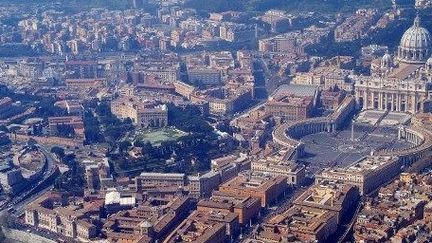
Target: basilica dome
pixel 416 44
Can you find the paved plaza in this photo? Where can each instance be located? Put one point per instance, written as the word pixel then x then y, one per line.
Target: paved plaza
pixel 338 150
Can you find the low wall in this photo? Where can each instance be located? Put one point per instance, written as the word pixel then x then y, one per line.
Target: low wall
pixel 24 237
pixel 67 142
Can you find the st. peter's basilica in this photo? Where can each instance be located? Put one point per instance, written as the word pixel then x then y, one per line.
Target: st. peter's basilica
pixel 402 82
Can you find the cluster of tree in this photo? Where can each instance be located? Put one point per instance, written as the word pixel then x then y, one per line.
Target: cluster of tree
pixel 23 97
pixel 58 151
pixel 4 223
pixel 5 141
pixel 200 145
pixel 2 236
pixel 65 130
pixel 16 50
pixel 188 119
pixel 44 105
pixel 101 125
pixel 224 126
pixel 3 128
pixel 46 108
pixel 92 131
pixel 193 147
pixel 331 48
pixel 11 21
pixel 114 128
pixel 390 36
pixel 73 179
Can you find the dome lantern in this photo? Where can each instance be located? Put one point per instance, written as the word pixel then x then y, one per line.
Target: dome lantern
pixel 417 21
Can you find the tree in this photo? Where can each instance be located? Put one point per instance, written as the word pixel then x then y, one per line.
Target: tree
pixel 93 103
pixel 148 149
pixel 124 145
pixel 188 119
pixel 65 130
pixel 3 128
pixel 31 142
pixel 69 159
pixel 59 151
pixel 113 133
pixel 103 109
pixel 3 222
pixel 224 126
pixel 122 163
pixel 128 124
pixel 73 179
pixel 93 135
pixel 58 183
pixel 16 50
pixel 139 143
pixel 46 108
pixel 92 131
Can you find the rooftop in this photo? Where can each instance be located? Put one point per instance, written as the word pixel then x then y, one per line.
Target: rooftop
pixel 294 89
pixel 253 181
pixel 114 197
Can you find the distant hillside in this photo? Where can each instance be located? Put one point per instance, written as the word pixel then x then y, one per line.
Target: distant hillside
pixel 327 6
pixel 324 6
pixel 70 6
pixel 114 4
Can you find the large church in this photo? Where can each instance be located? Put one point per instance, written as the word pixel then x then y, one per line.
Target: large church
pixel 402 82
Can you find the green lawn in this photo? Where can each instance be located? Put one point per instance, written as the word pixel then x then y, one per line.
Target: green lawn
pixel 156 137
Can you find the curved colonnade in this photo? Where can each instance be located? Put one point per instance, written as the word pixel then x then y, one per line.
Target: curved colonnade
pixel 288 135
pixel 420 136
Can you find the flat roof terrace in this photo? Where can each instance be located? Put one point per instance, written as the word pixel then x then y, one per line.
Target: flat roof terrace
pixel 385 119
pixel 298 217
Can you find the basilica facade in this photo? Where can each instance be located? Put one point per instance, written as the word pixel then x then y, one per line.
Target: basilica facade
pixel 402 82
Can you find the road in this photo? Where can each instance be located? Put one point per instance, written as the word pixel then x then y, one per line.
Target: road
pixel 14 209
pixel 267 214
pixel 253 108
pixel 17 203
pixel 246 112
pixel 349 225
